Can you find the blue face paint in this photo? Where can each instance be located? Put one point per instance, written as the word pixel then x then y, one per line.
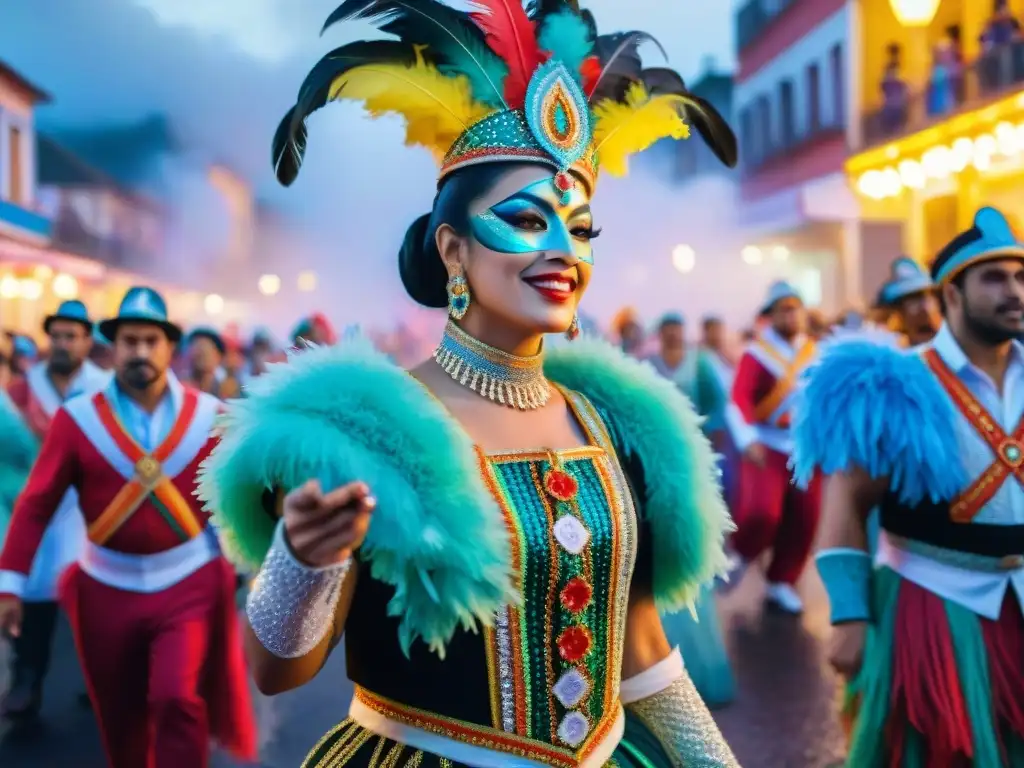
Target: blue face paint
pixel 538 218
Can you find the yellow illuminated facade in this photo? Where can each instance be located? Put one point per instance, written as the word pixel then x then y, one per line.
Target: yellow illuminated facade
pixel 932 172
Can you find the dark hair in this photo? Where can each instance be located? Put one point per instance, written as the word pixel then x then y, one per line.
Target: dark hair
pixel 959 280
pixel 419 263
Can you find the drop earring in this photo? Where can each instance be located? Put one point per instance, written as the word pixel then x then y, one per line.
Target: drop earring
pixel 573 331
pixel 458 296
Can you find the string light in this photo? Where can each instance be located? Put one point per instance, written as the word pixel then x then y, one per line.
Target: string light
pixel 307 281
pixel 64 287
pixel 269 284
pixel 684 258
pixel 752 255
pixel 213 304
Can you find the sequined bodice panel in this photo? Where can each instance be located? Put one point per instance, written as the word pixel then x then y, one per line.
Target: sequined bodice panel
pixel 543 681
pixel 556 658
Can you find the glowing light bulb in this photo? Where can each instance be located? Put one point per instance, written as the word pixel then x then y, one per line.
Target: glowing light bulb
pixel 752 255
pixel 269 284
pixel 10 287
pixel 64 286
pixel 684 258
pixel 307 281
pixel 213 304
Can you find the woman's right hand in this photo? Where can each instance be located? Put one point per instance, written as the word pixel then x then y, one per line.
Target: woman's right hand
pixel 324 529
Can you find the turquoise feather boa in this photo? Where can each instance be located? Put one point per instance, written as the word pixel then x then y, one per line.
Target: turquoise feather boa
pixel 651 421
pixel 870 406
pixel 346 412
pixel 18 450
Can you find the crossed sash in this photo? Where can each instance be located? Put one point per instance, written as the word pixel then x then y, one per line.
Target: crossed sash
pixel 1009 449
pixel 791 370
pixel 149 482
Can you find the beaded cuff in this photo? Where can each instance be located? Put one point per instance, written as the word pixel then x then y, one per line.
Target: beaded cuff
pixel 846 574
pixel 679 719
pixel 291 605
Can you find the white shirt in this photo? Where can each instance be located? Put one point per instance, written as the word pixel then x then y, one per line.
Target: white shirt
pixel 771 436
pixel 981 592
pixel 148 429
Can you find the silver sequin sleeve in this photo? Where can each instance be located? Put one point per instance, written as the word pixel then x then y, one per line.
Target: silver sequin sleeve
pixel 291 605
pixel 679 719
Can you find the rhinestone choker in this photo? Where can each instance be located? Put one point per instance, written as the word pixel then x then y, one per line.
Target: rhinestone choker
pixel 517 382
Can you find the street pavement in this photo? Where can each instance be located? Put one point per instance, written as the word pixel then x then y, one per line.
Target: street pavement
pixel 783 716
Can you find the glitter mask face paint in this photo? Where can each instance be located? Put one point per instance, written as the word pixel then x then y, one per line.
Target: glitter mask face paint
pixel 538 218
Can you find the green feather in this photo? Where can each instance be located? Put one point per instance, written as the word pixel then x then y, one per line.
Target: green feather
pixel 655 428
pixel 568 38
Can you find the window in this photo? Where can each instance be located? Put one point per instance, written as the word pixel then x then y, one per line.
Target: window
pixel 766 140
pixel 787 122
pixel 747 133
pixel 837 72
pixel 813 97
pixel 16 174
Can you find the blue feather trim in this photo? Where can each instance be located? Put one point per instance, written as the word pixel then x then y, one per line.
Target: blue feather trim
pixel 879 409
pixel 651 421
pixel 347 413
pixel 18 450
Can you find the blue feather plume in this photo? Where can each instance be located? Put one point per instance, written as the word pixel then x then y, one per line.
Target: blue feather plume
pixel 568 37
pixel 870 406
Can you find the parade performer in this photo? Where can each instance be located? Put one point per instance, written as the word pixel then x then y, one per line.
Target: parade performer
pixel 19 446
pixel 698 634
pixel 151 600
pixel 66 373
pixel 770 512
pixel 469 525
pixel 714 345
pixel 206 350
pixel 932 636
pixel 909 297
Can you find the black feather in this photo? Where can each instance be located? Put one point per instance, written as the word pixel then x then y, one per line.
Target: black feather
pixel 713 129
pixel 451 37
pixel 289 144
pixel 711 126
pixel 621 65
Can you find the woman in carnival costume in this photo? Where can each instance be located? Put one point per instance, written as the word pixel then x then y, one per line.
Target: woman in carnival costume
pixel 496 530
pixel 930 631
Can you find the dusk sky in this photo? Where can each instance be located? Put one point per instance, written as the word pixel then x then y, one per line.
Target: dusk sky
pixel 225 71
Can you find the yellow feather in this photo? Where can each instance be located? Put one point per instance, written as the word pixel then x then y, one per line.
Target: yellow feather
pixel 625 128
pixel 436 108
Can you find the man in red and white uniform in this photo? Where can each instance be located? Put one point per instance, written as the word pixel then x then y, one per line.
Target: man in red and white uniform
pixel 151 600
pixel 65 374
pixel 771 512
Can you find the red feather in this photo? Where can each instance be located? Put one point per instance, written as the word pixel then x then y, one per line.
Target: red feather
pixel 590 71
pixel 512 36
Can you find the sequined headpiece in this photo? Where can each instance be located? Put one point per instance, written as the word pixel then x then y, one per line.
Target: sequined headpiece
pixel 504 83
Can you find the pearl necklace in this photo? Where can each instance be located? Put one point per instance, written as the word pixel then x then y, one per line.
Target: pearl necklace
pixel 517 382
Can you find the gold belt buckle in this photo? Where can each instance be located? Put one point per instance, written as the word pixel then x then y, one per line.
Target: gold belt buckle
pixel 148 470
pixel 1011 562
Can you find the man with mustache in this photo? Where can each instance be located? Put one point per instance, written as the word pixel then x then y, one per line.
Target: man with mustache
pixel 151 599
pixel 930 632
pixel 770 513
pixel 47 385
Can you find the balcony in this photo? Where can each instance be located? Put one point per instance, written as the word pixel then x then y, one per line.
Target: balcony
pixel 778 151
pixel 991 78
pixel 23 223
pixel 69 234
pixel 755 17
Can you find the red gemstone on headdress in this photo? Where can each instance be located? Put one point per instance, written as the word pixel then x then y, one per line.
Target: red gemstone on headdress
pixel 560 484
pixel 563 182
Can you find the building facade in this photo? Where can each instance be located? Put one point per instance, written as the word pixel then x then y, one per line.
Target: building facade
pixel 941 128
pixel 795 91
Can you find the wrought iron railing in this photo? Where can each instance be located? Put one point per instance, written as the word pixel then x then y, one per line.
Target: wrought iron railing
pixel 991 77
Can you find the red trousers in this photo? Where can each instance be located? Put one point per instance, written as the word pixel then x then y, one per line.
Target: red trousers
pixel 772 513
pixel 164 672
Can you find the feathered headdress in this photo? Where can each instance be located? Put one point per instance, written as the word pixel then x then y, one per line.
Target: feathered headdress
pixel 504 83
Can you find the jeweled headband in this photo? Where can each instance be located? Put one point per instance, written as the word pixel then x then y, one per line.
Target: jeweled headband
pixel 504 83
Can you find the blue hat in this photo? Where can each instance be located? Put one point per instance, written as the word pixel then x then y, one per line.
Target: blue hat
pixel 991 238
pixel 906 278
pixel 24 346
pixel 778 291
pixel 141 305
pixel 74 311
pixel 671 318
pixel 205 332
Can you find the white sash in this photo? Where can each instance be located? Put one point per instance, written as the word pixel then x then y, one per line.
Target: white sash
pixel 83 411
pixel 90 378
